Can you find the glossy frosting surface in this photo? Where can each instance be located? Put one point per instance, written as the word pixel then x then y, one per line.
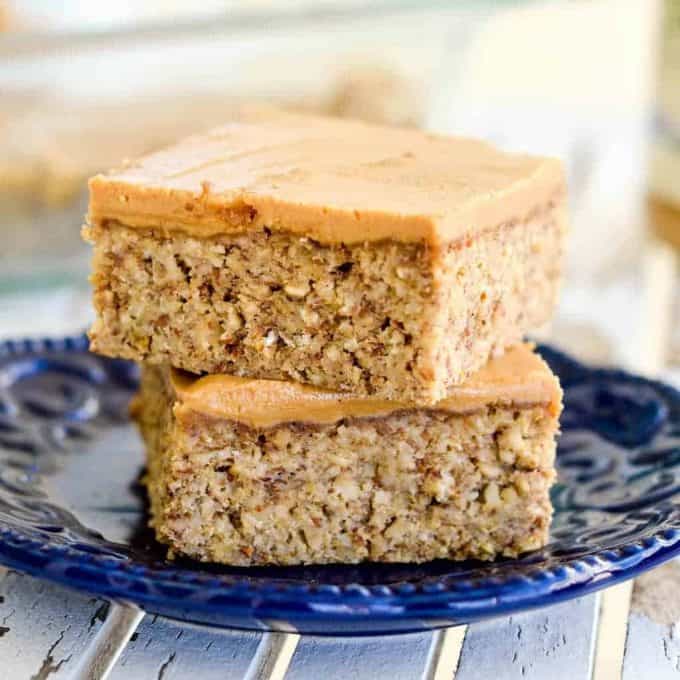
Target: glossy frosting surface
pixel 519 377
pixel 328 179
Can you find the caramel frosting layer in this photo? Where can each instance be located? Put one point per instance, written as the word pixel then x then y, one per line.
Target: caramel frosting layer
pixel 326 179
pixel 518 377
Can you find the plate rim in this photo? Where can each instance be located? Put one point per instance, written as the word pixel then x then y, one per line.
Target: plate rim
pixel 459 600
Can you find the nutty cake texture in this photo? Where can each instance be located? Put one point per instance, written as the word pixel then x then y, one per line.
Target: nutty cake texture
pixel 341 255
pixel 247 472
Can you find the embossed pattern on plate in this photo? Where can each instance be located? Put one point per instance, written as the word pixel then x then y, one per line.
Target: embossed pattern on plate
pixel 71 509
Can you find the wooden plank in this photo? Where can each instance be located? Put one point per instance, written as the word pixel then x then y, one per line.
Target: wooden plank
pixel 652 650
pixel 109 642
pixel 44 629
pixel 555 643
pixel 392 657
pixel 447 645
pixel 167 649
pixel 273 656
pixel 653 642
pixel 612 630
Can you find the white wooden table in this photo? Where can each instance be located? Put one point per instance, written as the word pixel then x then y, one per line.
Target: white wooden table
pixel 630 631
pixel 49 632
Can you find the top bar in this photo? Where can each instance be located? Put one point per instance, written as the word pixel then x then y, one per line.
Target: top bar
pixel 351 257
pixel 330 180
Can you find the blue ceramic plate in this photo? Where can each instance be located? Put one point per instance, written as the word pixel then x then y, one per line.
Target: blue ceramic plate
pixel 72 511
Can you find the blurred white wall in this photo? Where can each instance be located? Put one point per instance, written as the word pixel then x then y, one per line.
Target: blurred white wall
pixel 572 79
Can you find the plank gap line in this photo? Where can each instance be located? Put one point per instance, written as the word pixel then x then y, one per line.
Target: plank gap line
pixel 273 656
pixel 111 639
pixel 442 663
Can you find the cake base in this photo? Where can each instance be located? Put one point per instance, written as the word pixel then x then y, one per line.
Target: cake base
pixel 411 486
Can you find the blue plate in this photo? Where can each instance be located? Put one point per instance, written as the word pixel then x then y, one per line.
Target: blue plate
pixel 72 511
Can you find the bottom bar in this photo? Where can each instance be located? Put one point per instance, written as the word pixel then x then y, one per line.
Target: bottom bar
pixel 249 472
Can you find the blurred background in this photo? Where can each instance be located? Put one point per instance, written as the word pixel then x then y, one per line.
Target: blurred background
pixel 596 82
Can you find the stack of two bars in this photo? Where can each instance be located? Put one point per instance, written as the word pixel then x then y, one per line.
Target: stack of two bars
pixel 321 309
